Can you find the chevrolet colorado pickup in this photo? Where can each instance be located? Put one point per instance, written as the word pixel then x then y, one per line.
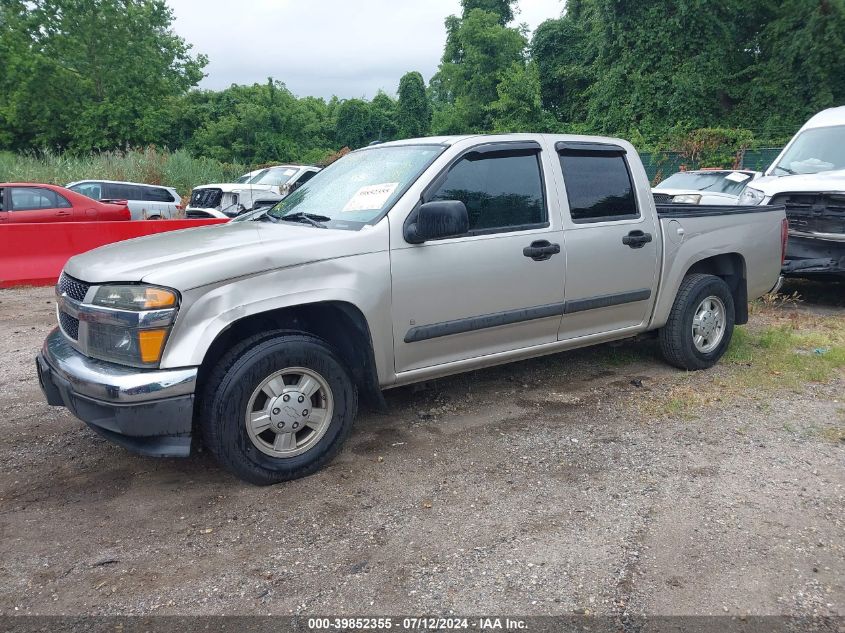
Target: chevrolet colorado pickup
pixel 399 263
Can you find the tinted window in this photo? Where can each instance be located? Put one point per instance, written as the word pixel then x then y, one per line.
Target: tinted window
pixel 157 194
pixel 33 198
pixel 501 190
pixel 120 191
pixel 308 175
pixel 89 189
pixel 598 187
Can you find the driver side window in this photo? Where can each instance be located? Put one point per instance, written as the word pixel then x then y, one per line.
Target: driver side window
pixel 502 191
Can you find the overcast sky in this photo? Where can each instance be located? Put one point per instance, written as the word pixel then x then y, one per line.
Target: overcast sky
pixel 351 48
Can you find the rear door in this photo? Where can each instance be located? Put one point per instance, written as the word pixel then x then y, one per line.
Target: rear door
pixel 483 292
pixel 37 204
pixel 612 242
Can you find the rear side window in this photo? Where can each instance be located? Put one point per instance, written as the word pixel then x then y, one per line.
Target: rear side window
pixel 157 194
pixel 91 190
pixel 35 198
pixel 501 190
pixel 120 191
pixel 598 186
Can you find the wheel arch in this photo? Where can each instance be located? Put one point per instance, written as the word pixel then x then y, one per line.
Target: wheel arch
pixel 732 269
pixel 340 323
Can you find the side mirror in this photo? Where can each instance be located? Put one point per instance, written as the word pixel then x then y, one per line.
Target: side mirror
pixel 437 220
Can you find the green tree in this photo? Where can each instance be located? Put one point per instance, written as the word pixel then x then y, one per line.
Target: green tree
pixel 798 67
pixel 519 108
pixel 479 51
pixel 413 112
pixel 502 8
pixel 383 117
pixel 353 128
pixel 91 73
pixel 564 67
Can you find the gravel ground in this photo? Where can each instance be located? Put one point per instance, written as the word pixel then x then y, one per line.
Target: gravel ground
pixel 531 489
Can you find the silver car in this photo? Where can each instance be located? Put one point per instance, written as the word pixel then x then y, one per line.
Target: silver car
pixel 145 202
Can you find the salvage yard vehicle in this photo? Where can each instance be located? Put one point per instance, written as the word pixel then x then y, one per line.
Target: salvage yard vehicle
pixel 145 202
pixel 25 202
pixel 229 200
pixel 808 178
pixel 704 186
pixel 399 263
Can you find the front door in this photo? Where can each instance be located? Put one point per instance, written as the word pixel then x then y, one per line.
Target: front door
pixel 612 243
pixel 487 291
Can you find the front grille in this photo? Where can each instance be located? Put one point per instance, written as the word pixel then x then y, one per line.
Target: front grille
pixel 206 198
pixel 70 325
pixel 813 212
pixel 662 198
pixel 73 288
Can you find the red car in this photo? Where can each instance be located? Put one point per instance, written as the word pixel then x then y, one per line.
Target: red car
pixel 31 202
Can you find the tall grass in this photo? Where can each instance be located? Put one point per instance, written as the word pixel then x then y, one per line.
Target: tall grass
pixel 153 166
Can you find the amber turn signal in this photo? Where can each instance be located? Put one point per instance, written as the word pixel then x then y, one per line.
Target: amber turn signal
pixel 151 344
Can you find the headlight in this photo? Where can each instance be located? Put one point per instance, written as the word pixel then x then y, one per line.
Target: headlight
pixel 687 198
pixel 751 197
pixel 135 297
pixel 134 327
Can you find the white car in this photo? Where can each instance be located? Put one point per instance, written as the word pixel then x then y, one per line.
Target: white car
pixel 145 202
pixel 704 186
pixel 228 200
pixel 809 178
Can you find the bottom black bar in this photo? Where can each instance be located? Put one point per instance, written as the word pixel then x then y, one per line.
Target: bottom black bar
pixel 536 624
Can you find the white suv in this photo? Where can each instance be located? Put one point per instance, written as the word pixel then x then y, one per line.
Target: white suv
pixel 145 202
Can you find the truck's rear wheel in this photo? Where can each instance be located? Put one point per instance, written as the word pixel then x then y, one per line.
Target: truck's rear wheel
pixel 700 324
pixel 277 407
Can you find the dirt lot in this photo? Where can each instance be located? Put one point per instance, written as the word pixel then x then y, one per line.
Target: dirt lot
pixel 600 481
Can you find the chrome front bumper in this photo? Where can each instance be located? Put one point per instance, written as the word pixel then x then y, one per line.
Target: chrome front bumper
pixel 147 411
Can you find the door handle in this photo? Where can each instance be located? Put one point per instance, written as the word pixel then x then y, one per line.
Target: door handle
pixel 541 250
pixel 63 213
pixel 636 239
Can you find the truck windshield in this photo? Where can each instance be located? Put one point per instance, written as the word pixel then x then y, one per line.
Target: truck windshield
pixel 718 182
pixel 814 151
pixel 356 189
pixel 274 176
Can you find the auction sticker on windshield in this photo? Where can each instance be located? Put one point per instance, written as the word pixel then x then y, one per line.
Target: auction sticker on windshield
pixel 370 197
pixel 737 177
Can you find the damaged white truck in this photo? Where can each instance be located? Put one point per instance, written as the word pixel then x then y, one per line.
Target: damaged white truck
pixel 808 179
pixel 399 263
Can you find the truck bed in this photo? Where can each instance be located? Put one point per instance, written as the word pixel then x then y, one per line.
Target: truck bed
pixel 669 210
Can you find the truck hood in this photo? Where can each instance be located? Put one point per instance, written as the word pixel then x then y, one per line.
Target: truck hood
pixel 196 257
pixel 800 183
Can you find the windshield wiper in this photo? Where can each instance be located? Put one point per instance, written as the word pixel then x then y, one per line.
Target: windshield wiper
pixel 309 218
pixel 788 171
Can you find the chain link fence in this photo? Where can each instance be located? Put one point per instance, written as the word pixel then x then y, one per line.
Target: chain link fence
pixel 661 165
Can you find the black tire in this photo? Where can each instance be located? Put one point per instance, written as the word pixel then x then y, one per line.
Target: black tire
pixel 676 338
pixel 230 385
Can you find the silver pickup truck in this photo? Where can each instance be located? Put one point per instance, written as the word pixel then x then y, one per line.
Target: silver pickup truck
pixel 399 263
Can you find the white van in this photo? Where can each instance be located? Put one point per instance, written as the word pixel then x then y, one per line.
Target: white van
pixel 809 178
pixel 145 202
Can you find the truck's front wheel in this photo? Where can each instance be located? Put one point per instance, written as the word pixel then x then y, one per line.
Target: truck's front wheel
pixel 700 324
pixel 277 407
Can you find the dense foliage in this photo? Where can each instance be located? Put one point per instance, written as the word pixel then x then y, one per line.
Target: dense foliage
pixel 706 77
